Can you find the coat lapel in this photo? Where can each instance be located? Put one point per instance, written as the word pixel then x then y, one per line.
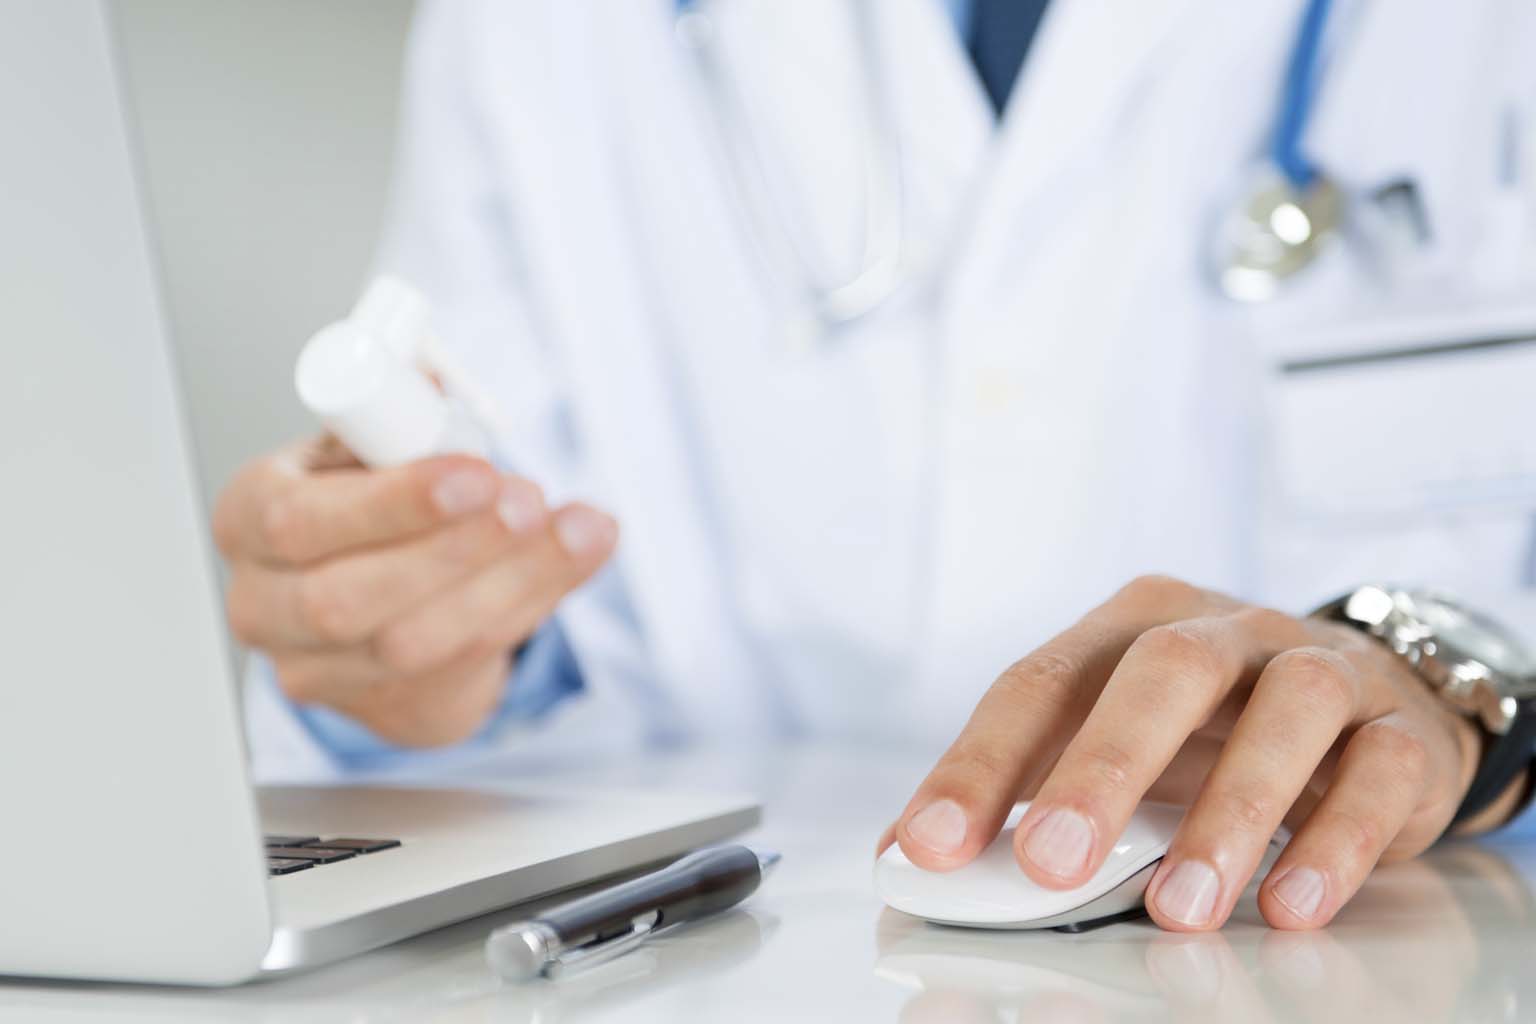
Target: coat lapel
pixel 1083 75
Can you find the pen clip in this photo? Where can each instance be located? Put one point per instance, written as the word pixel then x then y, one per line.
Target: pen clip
pixel 602 950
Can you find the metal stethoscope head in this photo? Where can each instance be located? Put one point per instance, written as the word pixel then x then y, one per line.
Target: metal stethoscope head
pixel 1290 210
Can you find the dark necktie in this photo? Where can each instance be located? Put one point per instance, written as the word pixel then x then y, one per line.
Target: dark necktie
pixel 1001 31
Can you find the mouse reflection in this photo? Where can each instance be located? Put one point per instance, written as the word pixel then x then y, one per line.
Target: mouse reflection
pixel 966 975
pixel 1446 937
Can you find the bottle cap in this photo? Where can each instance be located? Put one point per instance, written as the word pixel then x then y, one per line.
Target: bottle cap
pixel 400 317
pixel 396 314
pixel 378 403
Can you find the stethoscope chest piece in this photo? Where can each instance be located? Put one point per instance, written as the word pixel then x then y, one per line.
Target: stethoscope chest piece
pixel 1289 210
pixel 1275 231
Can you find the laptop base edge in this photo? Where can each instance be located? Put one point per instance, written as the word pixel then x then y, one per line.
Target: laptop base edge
pixel 300 948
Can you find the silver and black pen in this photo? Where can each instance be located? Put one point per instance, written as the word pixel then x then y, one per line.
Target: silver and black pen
pixel 606 924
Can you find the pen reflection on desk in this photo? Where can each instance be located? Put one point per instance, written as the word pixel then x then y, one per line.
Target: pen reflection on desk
pixel 604 925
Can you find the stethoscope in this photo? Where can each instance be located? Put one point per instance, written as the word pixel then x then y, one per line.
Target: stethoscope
pixel 1290 210
pixel 776 224
pixel 1282 221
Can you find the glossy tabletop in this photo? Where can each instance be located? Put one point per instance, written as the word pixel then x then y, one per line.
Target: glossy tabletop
pixel 1451 936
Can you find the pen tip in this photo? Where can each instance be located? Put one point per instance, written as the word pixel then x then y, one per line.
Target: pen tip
pixel 767 860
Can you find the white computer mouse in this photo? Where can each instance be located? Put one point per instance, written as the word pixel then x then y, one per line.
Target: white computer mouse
pixel 993 892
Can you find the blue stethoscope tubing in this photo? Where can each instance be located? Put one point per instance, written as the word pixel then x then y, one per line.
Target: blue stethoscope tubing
pixel 1297 98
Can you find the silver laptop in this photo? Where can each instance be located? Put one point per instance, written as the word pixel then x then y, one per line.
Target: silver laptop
pixel 133 842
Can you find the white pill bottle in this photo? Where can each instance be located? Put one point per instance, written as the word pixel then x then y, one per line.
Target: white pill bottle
pixel 381 383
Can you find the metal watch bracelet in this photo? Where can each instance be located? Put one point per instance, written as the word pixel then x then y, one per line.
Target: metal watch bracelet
pixel 1498 698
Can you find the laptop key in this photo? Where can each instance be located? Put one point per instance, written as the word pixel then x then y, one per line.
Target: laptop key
pixel 316 854
pixel 289 840
pixel 358 845
pixel 287 865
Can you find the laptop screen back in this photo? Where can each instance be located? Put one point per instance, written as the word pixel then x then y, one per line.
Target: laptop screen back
pixel 132 848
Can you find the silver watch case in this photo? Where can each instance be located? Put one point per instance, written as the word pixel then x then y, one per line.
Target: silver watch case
pixel 1463 680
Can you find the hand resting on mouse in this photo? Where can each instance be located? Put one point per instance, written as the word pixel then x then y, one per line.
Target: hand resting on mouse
pixel 1250 717
pixel 991 891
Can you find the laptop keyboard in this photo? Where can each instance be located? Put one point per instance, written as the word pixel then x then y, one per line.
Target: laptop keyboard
pixel 287 854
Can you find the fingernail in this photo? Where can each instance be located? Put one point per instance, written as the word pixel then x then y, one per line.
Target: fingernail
pixel 584 531
pixel 464 491
pixel 940 826
pixel 1188 894
pixel 1301 890
pixel 1060 844
pixel 519 508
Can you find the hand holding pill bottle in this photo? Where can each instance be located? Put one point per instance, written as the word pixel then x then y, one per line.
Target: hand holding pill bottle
pixel 387 568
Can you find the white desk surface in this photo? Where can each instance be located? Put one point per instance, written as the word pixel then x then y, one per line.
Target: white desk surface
pixel 1451 936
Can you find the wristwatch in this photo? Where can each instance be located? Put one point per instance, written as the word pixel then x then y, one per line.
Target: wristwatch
pixel 1477 667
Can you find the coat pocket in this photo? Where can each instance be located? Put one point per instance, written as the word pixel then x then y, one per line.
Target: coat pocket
pixel 1407 455
pixel 1406 431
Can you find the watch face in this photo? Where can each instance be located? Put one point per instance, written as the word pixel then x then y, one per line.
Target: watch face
pixel 1474 636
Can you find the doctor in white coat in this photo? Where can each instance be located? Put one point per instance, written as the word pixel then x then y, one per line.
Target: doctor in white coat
pixel 887 367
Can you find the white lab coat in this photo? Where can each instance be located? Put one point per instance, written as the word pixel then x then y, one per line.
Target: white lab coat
pixel 851 536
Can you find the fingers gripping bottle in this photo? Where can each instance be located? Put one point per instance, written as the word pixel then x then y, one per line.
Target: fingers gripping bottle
pixel 380 381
